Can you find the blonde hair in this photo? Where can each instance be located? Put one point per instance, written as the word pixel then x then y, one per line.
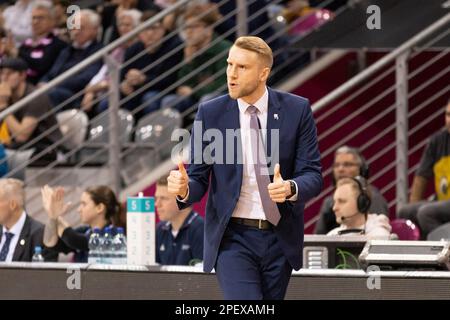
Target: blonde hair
pixel 349 181
pixel 13 189
pixel 357 187
pixel 258 46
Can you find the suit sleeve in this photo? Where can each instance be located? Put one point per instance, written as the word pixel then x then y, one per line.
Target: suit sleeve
pixel 198 171
pixel 197 244
pixel 307 172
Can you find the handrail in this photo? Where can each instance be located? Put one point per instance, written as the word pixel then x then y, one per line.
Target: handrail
pixel 94 57
pixel 380 64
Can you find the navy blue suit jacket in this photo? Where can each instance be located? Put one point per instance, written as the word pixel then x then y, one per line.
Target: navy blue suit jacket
pixel 299 160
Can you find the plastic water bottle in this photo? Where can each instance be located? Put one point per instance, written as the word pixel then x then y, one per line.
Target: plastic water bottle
pixel 107 246
pixel 37 256
pixel 120 247
pixel 94 247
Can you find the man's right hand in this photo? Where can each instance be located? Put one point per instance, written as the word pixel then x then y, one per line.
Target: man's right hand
pixel 177 182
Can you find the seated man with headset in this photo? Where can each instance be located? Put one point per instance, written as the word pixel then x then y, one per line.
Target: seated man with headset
pixel 351 203
pixel 348 162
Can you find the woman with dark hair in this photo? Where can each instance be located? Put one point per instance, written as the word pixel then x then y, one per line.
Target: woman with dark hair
pixel 98 208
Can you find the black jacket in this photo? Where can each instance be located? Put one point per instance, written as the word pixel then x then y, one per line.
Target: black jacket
pixel 31 236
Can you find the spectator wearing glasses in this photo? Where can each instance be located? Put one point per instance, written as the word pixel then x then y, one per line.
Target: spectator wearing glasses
pixel 203 72
pixel 99 84
pixel 84 43
pixel 150 67
pixel 348 163
pixel 41 50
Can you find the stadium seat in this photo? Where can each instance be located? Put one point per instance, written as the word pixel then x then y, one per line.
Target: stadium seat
pixel 15 159
pixel 73 124
pixel 99 136
pixel 405 229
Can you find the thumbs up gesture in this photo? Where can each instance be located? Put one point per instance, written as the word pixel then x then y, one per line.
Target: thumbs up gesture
pixel 177 182
pixel 279 189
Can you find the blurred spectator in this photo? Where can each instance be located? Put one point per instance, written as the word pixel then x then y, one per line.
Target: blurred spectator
pixel 60 30
pixel 179 236
pixel 7 45
pixel 127 21
pixel 302 18
pixel 351 202
pixel 174 20
pixel 296 9
pixel 110 14
pixel 147 70
pixel 348 163
pixel 41 51
pixel 84 43
pixel 31 120
pixel 19 233
pixel 203 72
pixel 98 208
pixel 435 162
pixel 3 161
pixel 17 20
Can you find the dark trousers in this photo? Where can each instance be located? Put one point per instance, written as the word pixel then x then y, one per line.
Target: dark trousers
pixel 59 95
pixel 428 215
pixel 251 265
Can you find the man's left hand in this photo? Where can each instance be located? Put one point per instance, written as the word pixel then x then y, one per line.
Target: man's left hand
pixel 279 189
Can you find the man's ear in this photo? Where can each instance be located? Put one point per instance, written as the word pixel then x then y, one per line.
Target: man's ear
pixel 12 204
pixel 265 72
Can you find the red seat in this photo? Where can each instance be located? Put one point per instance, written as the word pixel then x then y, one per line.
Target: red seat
pixel 405 229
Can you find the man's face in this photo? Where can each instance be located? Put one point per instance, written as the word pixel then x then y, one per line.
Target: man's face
pixel 41 22
pixel 344 202
pixel 245 73
pixel 125 24
pixel 447 117
pixel 196 31
pixel 12 77
pixel 152 35
pixel 166 205
pixel 345 166
pixel 85 33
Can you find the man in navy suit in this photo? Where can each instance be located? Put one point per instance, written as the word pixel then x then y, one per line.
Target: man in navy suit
pixel 254 214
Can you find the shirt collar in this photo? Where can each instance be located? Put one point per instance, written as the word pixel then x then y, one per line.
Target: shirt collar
pixel 16 229
pixel 84 46
pixel 261 104
pixel 187 222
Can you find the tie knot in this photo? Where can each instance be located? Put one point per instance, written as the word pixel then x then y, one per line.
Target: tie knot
pixel 9 235
pixel 252 109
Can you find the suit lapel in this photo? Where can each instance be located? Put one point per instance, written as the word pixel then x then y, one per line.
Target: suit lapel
pixel 231 121
pixel 274 120
pixel 23 239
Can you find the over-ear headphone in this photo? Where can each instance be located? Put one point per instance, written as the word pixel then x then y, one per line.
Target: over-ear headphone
pixel 364 168
pixel 363 202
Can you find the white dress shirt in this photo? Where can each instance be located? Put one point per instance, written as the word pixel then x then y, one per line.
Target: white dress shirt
pixel 16 229
pixel 249 205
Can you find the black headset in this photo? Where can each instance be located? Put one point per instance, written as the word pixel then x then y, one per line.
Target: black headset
pixel 363 202
pixel 364 168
